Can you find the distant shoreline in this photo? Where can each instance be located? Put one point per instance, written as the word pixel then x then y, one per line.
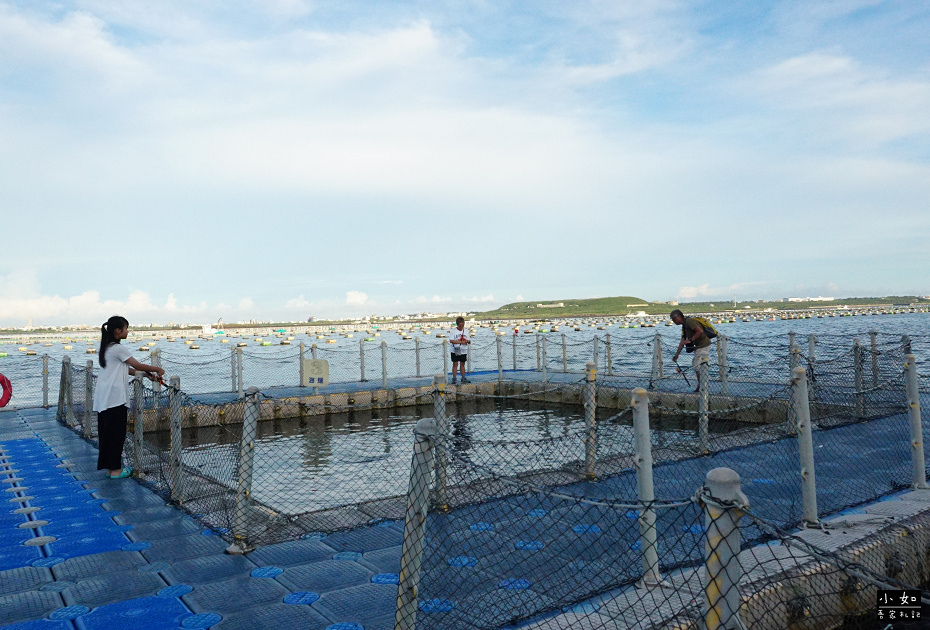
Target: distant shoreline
pixel 793 312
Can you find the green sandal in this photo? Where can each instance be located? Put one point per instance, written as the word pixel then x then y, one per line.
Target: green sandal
pixel 125 472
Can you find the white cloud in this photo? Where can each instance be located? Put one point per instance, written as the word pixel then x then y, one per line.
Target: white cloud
pixel 483 298
pixel 298 302
pixel 436 299
pixel 688 293
pixel 246 304
pixel 356 298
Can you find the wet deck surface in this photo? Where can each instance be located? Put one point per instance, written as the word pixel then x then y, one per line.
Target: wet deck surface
pixel 101 553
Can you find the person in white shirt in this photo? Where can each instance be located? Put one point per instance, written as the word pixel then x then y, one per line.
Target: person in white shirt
pixel 459 339
pixel 111 395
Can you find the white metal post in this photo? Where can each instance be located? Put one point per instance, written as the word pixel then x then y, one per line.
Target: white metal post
pixel 723 364
pixel 445 357
pixel 722 570
pixel 564 355
pixel 239 391
pixel 241 543
pixel 45 380
pixel 500 360
pixel 138 418
pixel 802 412
pixel 545 372
pixel 383 364
pixel 361 358
pixel 811 363
pixel 442 438
pixel 174 405
pixel 703 405
pixel 610 363
pixel 65 411
pixel 416 343
pixel 411 557
pixel 594 358
pixel 642 461
pixel 538 357
pixel 590 412
pixel 301 369
pixel 88 399
pixel 919 478
pixel 515 339
pixel 874 344
pixel 316 390
pixel 233 372
pixel 857 368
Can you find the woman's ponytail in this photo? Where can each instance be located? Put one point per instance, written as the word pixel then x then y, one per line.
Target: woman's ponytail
pixel 106 336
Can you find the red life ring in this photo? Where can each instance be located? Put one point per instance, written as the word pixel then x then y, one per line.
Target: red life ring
pixel 7 390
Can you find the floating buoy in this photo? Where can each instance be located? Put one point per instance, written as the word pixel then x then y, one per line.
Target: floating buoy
pixel 30 353
pixel 330 341
pixel 195 347
pixel 266 343
pixel 285 342
pixel 3 354
pixel 66 348
pixel 90 351
pixel 224 340
pixel 22 349
pixel 144 348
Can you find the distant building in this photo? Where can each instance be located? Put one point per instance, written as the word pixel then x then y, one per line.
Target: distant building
pixel 552 305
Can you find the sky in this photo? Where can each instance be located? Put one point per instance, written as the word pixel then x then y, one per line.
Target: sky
pixel 279 159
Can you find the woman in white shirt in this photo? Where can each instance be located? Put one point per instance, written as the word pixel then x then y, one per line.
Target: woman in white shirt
pixel 111 395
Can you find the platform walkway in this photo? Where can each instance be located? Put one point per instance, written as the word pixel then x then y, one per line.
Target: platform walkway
pixel 120 557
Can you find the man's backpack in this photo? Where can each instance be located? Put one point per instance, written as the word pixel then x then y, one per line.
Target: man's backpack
pixel 709 329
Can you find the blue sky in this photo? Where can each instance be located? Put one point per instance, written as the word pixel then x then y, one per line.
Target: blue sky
pixel 278 159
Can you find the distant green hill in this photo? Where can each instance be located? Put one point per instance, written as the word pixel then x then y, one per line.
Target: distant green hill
pixel 574 308
pixel 623 305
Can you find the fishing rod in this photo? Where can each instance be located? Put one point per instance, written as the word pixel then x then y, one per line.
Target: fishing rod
pixel 682 372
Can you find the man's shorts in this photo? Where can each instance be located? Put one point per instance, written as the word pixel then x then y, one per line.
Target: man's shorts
pixel 459 358
pixel 700 353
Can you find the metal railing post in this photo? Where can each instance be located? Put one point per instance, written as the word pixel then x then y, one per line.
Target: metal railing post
pixel 919 478
pixel 442 435
pixel 500 359
pixel 445 356
pixel 416 343
pixel 88 399
pixel 384 376
pixel 301 369
pixel 791 340
pixel 590 412
pixel 239 391
pixel 233 372
pixel 174 405
pixel 858 376
pixel 722 570
pixel 240 544
pixel 722 364
pixel 415 525
pixel 811 364
pixel 594 358
pixel 642 461
pixel 65 411
pixel 703 404
pixel 564 355
pixel 906 343
pixel 313 349
pixel 545 372
pixel 656 372
pixel 610 366
pixel 45 380
pixel 802 412
pixel 874 345
pixel 138 418
pixel 538 357
pixel 361 358
pixel 515 338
